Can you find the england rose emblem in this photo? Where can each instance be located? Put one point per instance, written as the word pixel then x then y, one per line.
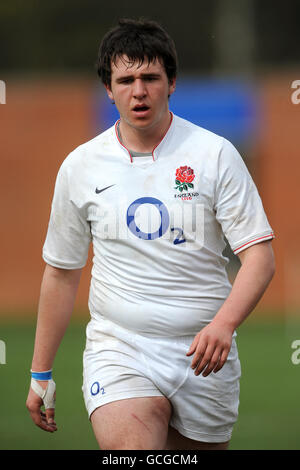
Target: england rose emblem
pixel 183 178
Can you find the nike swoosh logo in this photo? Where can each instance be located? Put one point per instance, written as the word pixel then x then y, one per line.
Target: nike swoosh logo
pixel 98 191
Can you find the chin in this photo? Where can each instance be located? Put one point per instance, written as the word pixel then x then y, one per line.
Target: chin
pixel 142 124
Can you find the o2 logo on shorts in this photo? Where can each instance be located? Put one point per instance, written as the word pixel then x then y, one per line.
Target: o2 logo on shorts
pixel 95 389
pixel 164 220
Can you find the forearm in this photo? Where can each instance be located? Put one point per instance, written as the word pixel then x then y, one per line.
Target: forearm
pixel 57 297
pixel 253 278
pixel 212 344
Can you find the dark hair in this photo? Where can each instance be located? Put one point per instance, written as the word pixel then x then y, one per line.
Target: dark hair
pixel 137 39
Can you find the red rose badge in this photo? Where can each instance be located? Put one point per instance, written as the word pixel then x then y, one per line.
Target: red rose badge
pixel 184 177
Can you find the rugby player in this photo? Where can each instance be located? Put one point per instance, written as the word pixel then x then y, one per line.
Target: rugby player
pixel 155 195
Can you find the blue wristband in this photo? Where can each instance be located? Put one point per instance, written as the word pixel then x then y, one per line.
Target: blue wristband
pixel 42 375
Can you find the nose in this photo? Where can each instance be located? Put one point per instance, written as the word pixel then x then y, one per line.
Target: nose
pixel 139 89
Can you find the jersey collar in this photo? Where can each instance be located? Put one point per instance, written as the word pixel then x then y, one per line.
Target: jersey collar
pixel 155 150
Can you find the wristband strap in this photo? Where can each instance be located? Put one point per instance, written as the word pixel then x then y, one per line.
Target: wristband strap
pixel 47 375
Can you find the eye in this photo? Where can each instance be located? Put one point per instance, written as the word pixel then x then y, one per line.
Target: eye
pixel 126 81
pixel 150 78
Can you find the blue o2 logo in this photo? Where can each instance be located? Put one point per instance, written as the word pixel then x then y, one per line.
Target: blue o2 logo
pixel 95 389
pixel 164 218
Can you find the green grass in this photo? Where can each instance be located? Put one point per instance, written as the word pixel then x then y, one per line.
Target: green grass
pixel 269 413
pixel 17 431
pixel 269 403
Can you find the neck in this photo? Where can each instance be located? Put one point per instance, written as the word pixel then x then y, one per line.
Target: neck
pixel 143 140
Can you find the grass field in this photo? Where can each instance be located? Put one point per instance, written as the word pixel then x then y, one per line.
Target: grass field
pixel 269 402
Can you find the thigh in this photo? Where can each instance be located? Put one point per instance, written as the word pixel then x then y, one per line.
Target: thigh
pixel 205 409
pixel 114 370
pixel 177 441
pixel 133 424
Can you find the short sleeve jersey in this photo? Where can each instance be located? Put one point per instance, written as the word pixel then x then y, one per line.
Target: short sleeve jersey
pixel 157 225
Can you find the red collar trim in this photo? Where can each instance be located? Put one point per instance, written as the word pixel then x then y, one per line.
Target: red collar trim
pixel 121 143
pixel 116 131
pixel 171 120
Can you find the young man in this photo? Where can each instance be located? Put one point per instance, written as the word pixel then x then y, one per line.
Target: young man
pixel 155 194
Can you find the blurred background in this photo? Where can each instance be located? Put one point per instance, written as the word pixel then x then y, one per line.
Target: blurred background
pixel 239 76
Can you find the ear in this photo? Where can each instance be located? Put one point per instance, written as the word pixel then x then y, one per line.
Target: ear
pixel 109 92
pixel 172 86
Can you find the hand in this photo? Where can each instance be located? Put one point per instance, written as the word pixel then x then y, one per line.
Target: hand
pixel 34 403
pixel 210 348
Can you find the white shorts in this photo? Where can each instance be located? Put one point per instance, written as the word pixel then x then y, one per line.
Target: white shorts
pixel 120 364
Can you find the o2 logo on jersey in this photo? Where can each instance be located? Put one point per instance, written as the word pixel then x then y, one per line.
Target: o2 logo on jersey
pixel 164 217
pixel 164 221
pixel 95 389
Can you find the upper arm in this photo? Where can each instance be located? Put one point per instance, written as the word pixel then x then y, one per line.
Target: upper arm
pixel 68 236
pixel 261 251
pixel 238 206
pixel 69 276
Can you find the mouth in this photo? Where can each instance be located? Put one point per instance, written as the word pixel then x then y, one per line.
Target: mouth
pixel 141 109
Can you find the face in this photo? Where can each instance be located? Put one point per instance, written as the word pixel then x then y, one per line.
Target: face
pixel 140 93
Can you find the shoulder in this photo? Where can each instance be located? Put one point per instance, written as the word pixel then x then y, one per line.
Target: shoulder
pixel 88 151
pixel 211 142
pixel 189 132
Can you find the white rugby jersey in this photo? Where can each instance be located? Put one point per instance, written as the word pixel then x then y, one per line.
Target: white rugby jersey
pixel 157 225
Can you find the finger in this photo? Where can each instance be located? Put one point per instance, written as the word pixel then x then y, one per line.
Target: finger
pixel 205 359
pixel 199 354
pixel 44 419
pixel 37 415
pixel 39 420
pixel 222 360
pixel 50 416
pixel 193 346
pixel 47 427
pixel 213 363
